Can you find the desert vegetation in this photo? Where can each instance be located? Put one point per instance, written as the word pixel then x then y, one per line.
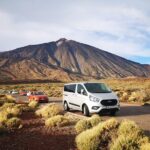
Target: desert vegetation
pixel 111 134
pixel 87 123
pixel 128 89
pixel 10 113
pixel 131 89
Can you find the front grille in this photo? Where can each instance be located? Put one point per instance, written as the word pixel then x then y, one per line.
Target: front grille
pixel 109 102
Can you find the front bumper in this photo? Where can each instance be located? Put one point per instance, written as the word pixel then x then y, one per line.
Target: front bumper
pixel 104 108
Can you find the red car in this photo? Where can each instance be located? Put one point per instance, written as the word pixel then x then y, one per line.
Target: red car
pixel 38 96
pixel 23 93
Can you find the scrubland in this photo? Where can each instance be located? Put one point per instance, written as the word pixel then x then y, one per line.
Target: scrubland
pixel 52 123
pixel 128 89
pixel 88 133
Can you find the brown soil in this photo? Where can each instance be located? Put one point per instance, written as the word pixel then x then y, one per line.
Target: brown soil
pixel 35 136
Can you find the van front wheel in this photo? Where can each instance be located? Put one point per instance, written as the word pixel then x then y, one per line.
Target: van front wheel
pixel 85 111
pixel 66 108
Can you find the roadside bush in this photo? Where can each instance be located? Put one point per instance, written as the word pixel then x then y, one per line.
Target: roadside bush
pixel 85 124
pixel 24 107
pixel 130 137
pixel 82 125
pixel 10 98
pixel 33 104
pixel 49 110
pixel 140 96
pixel 4 116
pixel 145 146
pixel 9 110
pixel 95 120
pixel 14 111
pixel 13 123
pixel 128 126
pixel 124 97
pixel 129 142
pixel 58 120
pixel 92 138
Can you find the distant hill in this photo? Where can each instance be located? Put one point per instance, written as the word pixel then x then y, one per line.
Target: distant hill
pixel 65 60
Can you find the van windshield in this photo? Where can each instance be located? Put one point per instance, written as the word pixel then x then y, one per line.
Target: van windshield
pixel 97 88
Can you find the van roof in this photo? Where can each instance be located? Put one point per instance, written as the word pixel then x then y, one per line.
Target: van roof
pixel 81 83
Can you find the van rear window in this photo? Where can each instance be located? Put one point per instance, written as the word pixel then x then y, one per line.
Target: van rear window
pixel 70 88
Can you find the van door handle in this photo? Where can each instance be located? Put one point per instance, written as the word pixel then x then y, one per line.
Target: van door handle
pixel 65 95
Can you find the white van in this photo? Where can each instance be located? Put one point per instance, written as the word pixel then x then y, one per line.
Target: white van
pixel 90 98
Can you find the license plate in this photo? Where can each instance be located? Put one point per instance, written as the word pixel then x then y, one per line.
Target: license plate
pixel 108 107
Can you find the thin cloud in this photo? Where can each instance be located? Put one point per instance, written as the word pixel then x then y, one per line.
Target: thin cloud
pixel 119 27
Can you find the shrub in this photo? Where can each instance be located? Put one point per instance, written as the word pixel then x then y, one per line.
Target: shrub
pixel 145 146
pixel 82 125
pixel 128 142
pixel 14 111
pixel 92 138
pixel 58 120
pixel 124 97
pixel 10 98
pixel 130 136
pixel 4 116
pixel 95 120
pixel 85 124
pixel 13 123
pixel 49 110
pixel 33 104
pixel 7 105
pixel 24 107
pixel 128 126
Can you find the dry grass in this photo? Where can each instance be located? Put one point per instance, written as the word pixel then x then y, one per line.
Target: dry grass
pixel 85 124
pixel 114 136
pixel 125 88
pixel 130 136
pixel 6 99
pixel 13 123
pixel 145 146
pixel 131 89
pixel 58 120
pixel 92 138
pixel 33 105
pixel 8 117
pixel 49 110
pixel 128 126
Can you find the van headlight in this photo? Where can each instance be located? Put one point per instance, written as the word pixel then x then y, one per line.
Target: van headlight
pixel 94 99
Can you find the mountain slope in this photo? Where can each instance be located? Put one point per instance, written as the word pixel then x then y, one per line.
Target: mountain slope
pixel 65 60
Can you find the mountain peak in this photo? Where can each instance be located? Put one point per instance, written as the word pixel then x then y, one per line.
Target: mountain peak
pixel 61 41
pixel 66 60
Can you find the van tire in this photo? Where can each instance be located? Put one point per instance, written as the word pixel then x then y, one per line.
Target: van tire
pixel 66 107
pixel 85 110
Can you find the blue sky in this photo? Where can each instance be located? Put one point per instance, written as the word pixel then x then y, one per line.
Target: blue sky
pixel 119 27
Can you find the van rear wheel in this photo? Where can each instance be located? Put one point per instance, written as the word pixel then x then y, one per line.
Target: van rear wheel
pixel 85 110
pixel 66 107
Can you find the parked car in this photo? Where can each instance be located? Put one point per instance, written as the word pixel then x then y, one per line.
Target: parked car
pixel 38 96
pixel 90 98
pixel 23 93
pixel 14 92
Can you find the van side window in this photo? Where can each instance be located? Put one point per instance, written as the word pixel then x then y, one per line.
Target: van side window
pixel 70 88
pixel 80 88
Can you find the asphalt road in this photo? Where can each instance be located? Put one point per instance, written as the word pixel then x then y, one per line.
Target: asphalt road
pixel 139 114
